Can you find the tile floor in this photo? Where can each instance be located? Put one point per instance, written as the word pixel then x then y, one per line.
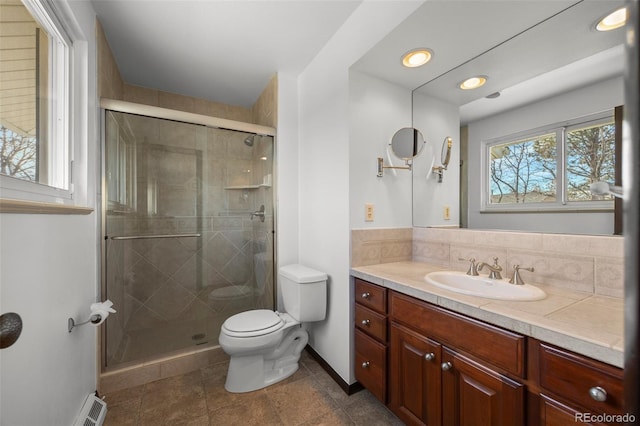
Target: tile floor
pixel 309 397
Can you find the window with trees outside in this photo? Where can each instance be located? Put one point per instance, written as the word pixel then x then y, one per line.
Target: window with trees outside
pixel 552 167
pixel 35 99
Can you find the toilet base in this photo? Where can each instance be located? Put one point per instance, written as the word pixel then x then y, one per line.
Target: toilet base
pixel 253 372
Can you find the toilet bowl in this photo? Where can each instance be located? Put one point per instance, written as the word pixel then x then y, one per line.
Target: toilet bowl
pixel 264 346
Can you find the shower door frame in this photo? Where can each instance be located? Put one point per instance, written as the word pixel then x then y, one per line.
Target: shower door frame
pixel 184 117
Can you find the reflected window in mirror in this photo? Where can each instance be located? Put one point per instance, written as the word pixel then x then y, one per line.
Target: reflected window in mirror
pixel 551 168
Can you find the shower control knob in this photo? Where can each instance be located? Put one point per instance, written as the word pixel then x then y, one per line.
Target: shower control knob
pixel 365 364
pixel 365 322
pixel 430 356
pixel 598 393
pixel 366 295
pixel 446 366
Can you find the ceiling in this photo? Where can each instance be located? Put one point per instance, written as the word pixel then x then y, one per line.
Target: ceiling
pixel 227 51
pixel 224 51
pixel 529 49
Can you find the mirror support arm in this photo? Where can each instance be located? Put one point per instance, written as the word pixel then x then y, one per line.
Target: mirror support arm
pixel 381 167
pixel 439 170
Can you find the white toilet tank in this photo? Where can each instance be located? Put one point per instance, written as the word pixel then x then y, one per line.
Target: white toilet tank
pixel 304 291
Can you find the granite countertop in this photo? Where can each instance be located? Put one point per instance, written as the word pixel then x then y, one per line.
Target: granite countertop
pixel 584 323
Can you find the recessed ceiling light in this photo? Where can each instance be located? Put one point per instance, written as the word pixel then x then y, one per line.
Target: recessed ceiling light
pixel 473 82
pixel 417 57
pixel 613 20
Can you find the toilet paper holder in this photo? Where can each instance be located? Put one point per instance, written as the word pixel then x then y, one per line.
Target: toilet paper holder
pixel 94 319
pixel 99 313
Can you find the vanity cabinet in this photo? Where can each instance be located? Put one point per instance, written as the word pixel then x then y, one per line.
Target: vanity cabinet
pixel 441 368
pixel 371 337
pixel 433 366
pixel 571 384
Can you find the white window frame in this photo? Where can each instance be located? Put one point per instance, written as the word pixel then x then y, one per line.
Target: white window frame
pixel 59 188
pixel 561 204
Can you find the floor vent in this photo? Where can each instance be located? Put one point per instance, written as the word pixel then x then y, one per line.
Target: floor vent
pixel 92 413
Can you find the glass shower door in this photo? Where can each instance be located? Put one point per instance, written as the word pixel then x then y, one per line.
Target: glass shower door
pixel 188 242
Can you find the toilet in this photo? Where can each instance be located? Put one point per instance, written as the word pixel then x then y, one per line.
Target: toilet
pixel 264 345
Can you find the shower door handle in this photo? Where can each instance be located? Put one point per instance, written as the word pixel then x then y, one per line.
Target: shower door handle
pixel 144 237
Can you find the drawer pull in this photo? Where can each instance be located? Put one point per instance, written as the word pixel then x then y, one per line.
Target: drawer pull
pixel 430 356
pixel 365 322
pixel 446 366
pixel 365 364
pixel 366 295
pixel 598 393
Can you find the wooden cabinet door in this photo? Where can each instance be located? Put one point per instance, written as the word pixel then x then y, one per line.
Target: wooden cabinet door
pixel 473 395
pixel 556 413
pixel 414 377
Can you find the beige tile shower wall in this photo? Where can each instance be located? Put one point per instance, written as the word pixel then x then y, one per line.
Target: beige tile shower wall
pixel 373 246
pixel 142 95
pixel 110 84
pixel 592 264
pixel 264 111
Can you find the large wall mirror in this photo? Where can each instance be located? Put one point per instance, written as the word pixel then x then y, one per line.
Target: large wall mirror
pixel 527 140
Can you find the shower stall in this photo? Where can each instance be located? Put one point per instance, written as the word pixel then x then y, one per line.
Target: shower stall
pixel 188 230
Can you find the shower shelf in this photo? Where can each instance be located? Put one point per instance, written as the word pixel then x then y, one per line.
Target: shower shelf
pixel 248 186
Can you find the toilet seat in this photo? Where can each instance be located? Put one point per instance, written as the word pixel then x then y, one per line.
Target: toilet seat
pixel 253 323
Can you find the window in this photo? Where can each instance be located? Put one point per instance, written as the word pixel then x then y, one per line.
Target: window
pixel 551 167
pixel 35 55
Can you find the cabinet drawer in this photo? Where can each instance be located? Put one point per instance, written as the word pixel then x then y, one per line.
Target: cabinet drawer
pixel 371 323
pixel 371 365
pixel 572 376
pixel 371 295
pixel 498 347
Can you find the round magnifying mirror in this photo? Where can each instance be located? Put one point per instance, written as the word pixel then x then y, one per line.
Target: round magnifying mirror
pixel 407 143
pixel 445 155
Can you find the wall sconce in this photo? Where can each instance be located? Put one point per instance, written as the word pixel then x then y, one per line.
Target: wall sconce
pixel 445 156
pixel 406 143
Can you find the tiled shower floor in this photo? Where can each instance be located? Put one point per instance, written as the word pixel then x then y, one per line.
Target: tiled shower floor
pixel 309 397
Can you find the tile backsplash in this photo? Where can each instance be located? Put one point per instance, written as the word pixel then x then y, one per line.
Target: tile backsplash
pixel 591 264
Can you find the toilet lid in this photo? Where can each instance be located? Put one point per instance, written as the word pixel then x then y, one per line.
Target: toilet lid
pixel 253 323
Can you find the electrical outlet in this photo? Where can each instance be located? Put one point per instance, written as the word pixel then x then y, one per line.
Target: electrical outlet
pixel 446 213
pixel 368 212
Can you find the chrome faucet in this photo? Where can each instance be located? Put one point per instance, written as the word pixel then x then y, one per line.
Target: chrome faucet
pixel 473 268
pixel 259 213
pixel 494 270
pixel 517 279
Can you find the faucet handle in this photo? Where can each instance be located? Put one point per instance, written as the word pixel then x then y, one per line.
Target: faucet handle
pixel 495 264
pixel 473 268
pixel 516 278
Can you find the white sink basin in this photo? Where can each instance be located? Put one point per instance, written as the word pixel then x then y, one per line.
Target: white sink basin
pixel 482 286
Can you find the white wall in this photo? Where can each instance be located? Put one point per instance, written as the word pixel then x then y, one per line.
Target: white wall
pixel 596 98
pixel 48 272
pixel 436 120
pixel 324 170
pixel 287 174
pixel 377 109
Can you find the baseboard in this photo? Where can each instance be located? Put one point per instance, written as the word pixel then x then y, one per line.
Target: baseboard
pixel 349 389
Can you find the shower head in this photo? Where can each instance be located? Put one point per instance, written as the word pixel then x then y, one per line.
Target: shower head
pixel 249 140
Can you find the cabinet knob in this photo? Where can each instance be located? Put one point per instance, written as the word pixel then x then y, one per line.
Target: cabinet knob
pixel 446 366
pixel 430 356
pixel 598 393
pixel 366 295
pixel 365 322
pixel 365 364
